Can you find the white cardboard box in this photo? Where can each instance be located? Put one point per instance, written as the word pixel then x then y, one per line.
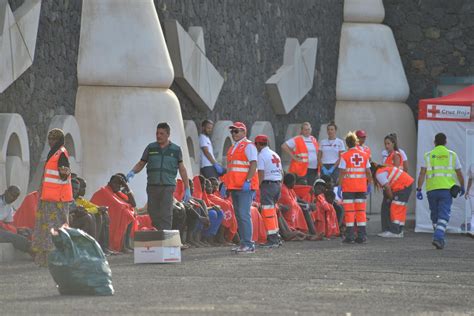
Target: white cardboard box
pixel 157 254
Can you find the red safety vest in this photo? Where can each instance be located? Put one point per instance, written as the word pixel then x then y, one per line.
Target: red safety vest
pixel 301 167
pixel 53 188
pixel 397 178
pixel 355 178
pixel 365 149
pixel 238 167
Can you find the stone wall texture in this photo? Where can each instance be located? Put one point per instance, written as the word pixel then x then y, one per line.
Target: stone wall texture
pixel 49 86
pixel 245 39
pixel 435 39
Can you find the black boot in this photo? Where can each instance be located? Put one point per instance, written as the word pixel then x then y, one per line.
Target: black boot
pixel 361 235
pixel 349 239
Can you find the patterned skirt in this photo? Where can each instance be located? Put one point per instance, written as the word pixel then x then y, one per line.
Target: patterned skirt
pixel 49 215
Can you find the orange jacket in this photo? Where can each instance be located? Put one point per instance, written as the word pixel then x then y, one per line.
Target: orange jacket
pixel 301 167
pixel 391 156
pixel 365 149
pixel 53 188
pixel 397 178
pixel 355 178
pixel 238 167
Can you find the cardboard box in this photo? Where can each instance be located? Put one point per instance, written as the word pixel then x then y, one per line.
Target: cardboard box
pixel 157 246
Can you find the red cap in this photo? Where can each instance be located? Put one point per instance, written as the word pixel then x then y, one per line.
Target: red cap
pixel 238 125
pixel 361 133
pixel 261 139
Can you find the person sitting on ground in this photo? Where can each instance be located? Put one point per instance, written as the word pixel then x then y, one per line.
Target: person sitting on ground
pixel 337 203
pixel 214 213
pixel 197 219
pixel 291 210
pixel 125 193
pixel 78 217
pixel 100 213
pixel 228 228
pixel 121 213
pixel 325 215
pixel 8 232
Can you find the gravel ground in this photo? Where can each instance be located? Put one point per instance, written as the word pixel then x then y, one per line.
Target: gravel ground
pixel 395 276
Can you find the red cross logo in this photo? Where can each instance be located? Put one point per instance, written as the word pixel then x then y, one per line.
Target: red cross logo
pixel 432 110
pixel 228 215
pixel 276 160
pixel 356 160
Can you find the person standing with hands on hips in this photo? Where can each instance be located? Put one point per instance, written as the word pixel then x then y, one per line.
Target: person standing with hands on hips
pixel 440 166
pixel 241 180
pixel 210 168
pixel 330 153
pixel 163 160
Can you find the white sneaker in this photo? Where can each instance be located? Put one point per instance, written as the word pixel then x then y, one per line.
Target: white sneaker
pixel 401 235
pixel 382 234
pixel 392 235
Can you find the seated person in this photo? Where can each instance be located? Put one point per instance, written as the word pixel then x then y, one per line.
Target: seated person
pixel 337 203
pixel 228 228
pixel 214 214
pixel 78 217
pixel 324 215
pixel 8 232
pixel 100 213
pixel 293 214
pixel 121 213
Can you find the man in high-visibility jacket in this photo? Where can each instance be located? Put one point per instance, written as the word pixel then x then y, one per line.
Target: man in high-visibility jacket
pixel 241 180
pixel 440 166
pixel 270 174
pixel 303 150
pixel 355 182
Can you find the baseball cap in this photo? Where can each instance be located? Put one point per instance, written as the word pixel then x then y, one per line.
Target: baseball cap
pixel 361 133
pixel 319 181
pixel 238 125
pixel 261 139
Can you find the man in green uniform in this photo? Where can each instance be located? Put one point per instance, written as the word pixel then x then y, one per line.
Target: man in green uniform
pixel 163 160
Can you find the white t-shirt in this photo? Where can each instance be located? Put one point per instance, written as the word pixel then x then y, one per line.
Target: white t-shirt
pixel 330 150
pixel 343 165
pixel 250 151
pixel 270 162
pixel 312 152
pixel 401 151
pixel 204 141
pixel 6 211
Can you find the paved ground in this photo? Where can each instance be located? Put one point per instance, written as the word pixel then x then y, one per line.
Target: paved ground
pixel 404 276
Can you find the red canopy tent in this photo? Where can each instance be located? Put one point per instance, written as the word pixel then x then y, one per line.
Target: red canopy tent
pixel 452 115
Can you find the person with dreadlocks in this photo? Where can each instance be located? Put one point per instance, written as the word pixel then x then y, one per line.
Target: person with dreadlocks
pixel 355 182
pixel 397 186
pixel 56 194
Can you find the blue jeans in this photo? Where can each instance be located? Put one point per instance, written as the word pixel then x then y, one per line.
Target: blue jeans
pixel 215 217
pixel 440 202
pixel 242 202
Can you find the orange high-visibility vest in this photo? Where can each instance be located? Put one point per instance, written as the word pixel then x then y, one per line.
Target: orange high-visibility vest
pixel 238 167
pixel 391 156
pixel 355 178
pixel 53 188
pixel 397 178
pixel 301 167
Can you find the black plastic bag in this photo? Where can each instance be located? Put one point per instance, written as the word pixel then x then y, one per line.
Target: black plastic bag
pixel 78 264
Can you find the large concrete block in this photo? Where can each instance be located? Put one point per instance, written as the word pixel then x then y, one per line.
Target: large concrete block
pixel 18 31
pixel 122 44
pixel 14 154
pixel 364 11
pixel 221 140
pixel 294 79
pixel 73 144
pixel 265 128
pixel 117 123
pixel 194 73
pixel 379 119
pixel 192 141
pixel 370 68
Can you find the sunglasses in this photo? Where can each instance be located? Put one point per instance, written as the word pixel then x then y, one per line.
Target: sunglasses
pixel 235 131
